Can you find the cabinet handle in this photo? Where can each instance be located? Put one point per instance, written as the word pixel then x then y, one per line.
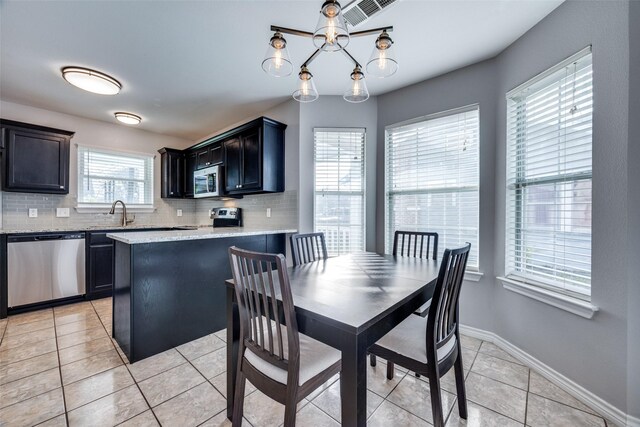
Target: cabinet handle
pixel 240 186
pixel 208 163
pixel 171 192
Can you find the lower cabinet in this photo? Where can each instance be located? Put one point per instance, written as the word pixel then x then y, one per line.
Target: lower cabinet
pixel 100 265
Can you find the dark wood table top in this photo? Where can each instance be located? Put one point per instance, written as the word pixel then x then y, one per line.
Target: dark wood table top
pixel 353 292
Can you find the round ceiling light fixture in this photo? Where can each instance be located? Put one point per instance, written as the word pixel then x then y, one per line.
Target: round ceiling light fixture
pixel 91 80
pixel 128 118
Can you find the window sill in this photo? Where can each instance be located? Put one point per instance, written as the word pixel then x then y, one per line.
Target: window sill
pixel 105 209
pixel 572 305
pixel 473 276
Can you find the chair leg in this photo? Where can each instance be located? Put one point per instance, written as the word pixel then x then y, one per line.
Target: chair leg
pixel 436 399
pixel 238 401
pixel 390 370
pixel 290 414
pixel 372 360
pixel 460 387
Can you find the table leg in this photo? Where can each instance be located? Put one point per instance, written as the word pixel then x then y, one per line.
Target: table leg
pixel 233 341
pixel 353 383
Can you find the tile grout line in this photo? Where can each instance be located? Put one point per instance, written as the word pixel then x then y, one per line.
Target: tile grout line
pixel 64 399
pixel 526 402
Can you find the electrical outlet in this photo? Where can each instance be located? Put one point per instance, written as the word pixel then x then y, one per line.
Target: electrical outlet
pixel 268 212
pixel 33 213
pixel 179 212
pixel 62 212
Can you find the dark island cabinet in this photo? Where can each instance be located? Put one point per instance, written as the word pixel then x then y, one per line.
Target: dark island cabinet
pixel 100 265
pixel 172 173
pixel 35 158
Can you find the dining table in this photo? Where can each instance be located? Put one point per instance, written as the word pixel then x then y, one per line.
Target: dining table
pixel 348 302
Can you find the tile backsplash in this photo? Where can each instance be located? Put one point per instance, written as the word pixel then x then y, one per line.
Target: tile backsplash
pixel 15 208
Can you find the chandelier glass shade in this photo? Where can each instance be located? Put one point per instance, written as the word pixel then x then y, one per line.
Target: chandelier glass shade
pixel 277 61
pixel 331 35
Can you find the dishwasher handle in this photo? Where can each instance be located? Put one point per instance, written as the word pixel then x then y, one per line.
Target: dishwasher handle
pixel 49 237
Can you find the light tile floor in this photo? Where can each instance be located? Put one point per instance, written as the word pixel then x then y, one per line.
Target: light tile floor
pixel 60 367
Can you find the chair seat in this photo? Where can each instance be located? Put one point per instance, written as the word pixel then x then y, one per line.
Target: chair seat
pixel 408 339
pixel 424 309
pixel 315 357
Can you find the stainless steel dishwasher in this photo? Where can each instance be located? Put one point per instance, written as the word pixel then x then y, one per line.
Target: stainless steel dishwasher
pixel 45 267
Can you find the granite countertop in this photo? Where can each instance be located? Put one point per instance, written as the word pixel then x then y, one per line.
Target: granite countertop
pixel 97 227
pixel 133 238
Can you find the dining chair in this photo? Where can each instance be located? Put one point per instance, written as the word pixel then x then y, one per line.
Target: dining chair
pixel 278 360
pixel 413 244
pixel 308 247
pixel 431 345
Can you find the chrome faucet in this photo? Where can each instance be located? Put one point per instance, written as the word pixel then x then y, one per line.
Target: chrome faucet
pixel 125 221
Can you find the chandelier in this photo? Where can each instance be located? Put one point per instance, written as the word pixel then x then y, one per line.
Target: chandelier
pixel 330 35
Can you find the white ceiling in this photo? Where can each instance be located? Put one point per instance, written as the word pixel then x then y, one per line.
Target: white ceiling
pixel 192 67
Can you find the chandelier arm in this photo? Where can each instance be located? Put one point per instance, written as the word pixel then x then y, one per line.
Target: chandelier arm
pixel 350 56
pixel 370 32
pixel 292 31
pixel 312 57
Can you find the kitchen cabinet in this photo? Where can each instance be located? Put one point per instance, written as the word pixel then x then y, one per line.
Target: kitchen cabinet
pixel 100 265
pixel 191 159
pixel 254 158
pixel 209 155
pixel 172 173
pixel 35 158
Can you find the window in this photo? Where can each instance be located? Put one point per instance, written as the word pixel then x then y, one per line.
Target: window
pixel 432 179
pixel 105 176
pixel 549 133
pixel 339 188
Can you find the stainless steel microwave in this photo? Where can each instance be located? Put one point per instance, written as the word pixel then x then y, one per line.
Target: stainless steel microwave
pixel 207 182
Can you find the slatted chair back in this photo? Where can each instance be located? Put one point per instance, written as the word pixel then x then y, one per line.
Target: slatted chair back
pixel 442 322
pixel 308 247
pixel 417 244
pixel 260 279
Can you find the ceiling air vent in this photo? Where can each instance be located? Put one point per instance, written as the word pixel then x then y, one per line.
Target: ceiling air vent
pixel 357 12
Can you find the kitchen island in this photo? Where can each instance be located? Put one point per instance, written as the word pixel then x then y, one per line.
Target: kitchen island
pixel 170 285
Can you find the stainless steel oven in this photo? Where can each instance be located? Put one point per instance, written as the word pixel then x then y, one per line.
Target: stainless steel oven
pixel 207 182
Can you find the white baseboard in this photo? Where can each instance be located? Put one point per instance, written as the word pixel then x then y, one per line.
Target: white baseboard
pixel 604 408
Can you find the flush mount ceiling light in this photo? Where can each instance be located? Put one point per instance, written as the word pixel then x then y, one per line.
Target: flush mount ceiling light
pixel 91 80
pixel 128 118
pixel 331 35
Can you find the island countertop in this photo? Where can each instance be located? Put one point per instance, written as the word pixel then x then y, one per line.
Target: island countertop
pixel 133 238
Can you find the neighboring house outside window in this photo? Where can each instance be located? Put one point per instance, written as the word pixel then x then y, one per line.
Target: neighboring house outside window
pixel 549 172
pixel 432 179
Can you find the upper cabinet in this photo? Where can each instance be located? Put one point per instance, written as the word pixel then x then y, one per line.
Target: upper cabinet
pixel 172 164
pixel 35 159
pixel 251 156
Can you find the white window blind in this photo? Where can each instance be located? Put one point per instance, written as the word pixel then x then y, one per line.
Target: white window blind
pixel 339 188
pixel 432 179
pixel 549 138
pixel 105 176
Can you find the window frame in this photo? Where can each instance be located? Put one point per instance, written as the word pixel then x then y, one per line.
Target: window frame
pixel 388 245
pixel 92 207
pixel 533 285
pixel 363 193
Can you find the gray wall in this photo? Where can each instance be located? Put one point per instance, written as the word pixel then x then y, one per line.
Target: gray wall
pixel 593 353
pixel 633 299
pixel 333 111
pixel 590 352
pixel 476 84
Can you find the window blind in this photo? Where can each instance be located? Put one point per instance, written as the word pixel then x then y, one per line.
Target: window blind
pixel 339 188
pixel 105 176
pixel 432 179
pixel 549 156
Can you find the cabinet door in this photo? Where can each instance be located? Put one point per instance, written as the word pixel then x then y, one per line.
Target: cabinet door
pixel 233 165
pixel 190 167
pixel 216 155
pixel 202 158
pixel 251 160
pixel 172 174
pixel 101 272
pixel 37 162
